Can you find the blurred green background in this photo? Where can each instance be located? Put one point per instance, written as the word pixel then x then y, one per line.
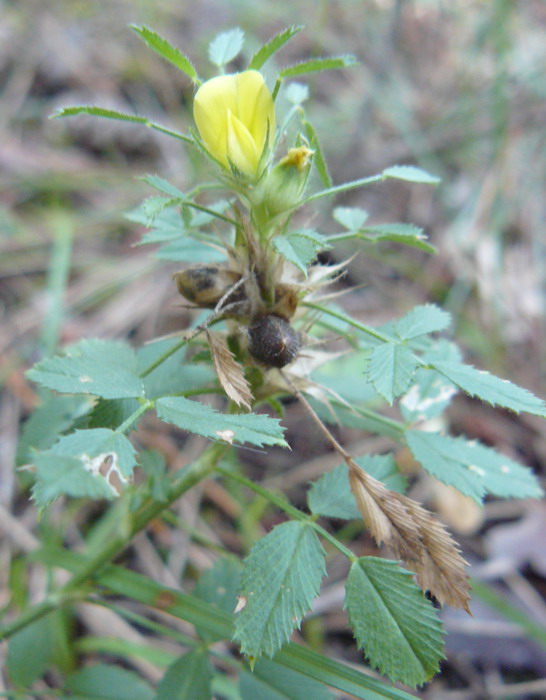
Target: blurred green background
pixel 456 87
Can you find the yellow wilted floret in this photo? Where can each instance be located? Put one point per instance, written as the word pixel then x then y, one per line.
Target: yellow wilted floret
pixel 236 119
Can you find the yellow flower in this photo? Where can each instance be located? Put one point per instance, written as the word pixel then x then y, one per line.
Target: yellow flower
pixel 236 119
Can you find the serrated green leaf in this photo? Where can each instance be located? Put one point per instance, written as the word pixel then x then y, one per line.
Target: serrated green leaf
pixel 153 206
pixel 265 52
pixel 472 468
pixel 391 369
pixel 271 681
pixel 257 429
pixel 170 53
pixel 189 678
pixel 52 417
pixel 318 64
pixel 318 157
pixel 300 247
pixel 411 174
pixel 108 444
pixel 111 413
pixel 224 47
pixel 219 586
pixel 104 368
pixel 427 318
pixel 352 218
pixel 120 116
pixel 493 390
pixel 105 682
pixel 393 622
pixel 296 93
pixel 281 577
pixel 57 475
pixel 332 497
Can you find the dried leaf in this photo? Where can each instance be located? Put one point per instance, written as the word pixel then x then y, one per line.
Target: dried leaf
pixel 414 535
pixel 229 372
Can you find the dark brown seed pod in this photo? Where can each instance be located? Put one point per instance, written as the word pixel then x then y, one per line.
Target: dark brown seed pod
pixel 273 341
pixel 205 285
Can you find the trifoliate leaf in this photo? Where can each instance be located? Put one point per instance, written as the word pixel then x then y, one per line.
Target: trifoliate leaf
pixel 271 681
pixel 265 52
pixel 189 415
pixel 427 318
pixel 104 368
pixel 300 247
pixel 281 577
pixel 496 391
pixel 170 53
pixel 391 369
pixel 411 174
pixel 224 47
pixel 104 682
pixel 352 218
pixel 393 622
pixel 188 678
pixel 472 468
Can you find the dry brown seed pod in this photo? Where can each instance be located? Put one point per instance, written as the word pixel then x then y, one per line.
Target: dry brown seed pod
pixel 273 341
pixel 205 285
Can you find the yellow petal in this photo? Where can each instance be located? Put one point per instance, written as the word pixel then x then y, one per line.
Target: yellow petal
pixel 236 119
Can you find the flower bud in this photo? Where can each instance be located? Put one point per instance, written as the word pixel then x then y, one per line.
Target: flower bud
pixel 236 120
pixel 284 186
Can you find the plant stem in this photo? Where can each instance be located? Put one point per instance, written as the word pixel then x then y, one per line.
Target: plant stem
pixel 146 406
pixel 356 324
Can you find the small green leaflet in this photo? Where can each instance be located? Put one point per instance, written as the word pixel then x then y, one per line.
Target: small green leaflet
pixel 427 318
pixel 271 681
pixel 104 368
pixel 300 247
pixel 121 116
pixel 265 52
pixel 57 475
pixel 407 234
pixel 32 650
pixel 107 683
pixel 352 218
pixel 411 174
pixel 391 369
pixel 171 54
pixel 91 444
pixel 281 578
pixel 254 428
pixel 224 47
pixel 332 497
pixel 496 391
pixel 472 468
pixel 164 186
pixel 189 678
pixel 318 64
pixel 153 206
pixel 393 622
